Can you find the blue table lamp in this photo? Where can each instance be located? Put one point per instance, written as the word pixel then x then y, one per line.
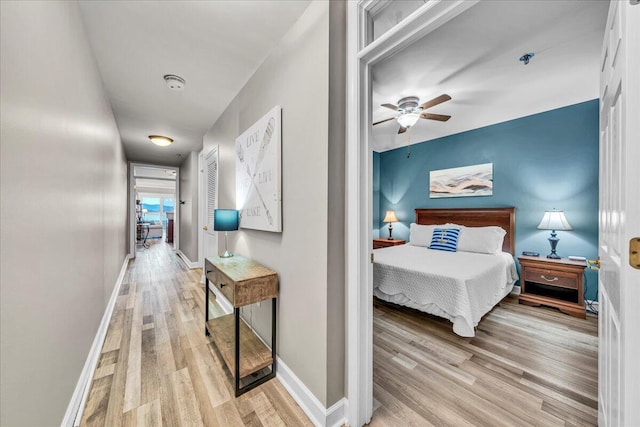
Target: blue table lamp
pixel 225 220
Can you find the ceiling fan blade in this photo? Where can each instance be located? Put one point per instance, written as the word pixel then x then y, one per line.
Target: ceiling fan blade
pixel 402 130
pixel 390 106
pixel 438 117
pixel 435 101
pixel 382 121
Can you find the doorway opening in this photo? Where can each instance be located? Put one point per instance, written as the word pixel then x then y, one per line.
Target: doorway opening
pixel 153 195
pixel 376 50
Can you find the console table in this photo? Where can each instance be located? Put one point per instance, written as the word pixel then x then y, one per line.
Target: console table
pixel 242 282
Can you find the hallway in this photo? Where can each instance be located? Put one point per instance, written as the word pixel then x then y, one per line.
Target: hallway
pixel 157 367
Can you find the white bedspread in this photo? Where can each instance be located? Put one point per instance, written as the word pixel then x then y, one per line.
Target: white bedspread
pixel 459 286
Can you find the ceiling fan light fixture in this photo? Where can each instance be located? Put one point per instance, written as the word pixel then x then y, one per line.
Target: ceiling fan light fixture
pixel 408 119
pixel 161 141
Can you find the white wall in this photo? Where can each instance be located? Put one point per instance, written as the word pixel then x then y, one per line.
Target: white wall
pixel 63 207
pixel 189 211
pixel 295 76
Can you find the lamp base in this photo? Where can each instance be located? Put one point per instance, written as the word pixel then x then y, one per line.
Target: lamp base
pixel 390 230
pixel 226 253
pixel 553 241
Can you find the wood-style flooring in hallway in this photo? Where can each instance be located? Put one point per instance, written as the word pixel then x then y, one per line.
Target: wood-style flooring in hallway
pixel 157 368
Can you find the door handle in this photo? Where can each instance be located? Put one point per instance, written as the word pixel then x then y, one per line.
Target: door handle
pixel 634 253
pixel 205 228
pixel 593 264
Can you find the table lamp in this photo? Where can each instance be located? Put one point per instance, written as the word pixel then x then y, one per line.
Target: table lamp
pixel 554 220
pixel 390 217
pixel 225 220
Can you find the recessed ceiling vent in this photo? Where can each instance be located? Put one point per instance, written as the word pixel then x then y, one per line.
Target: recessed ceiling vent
pixel 174 82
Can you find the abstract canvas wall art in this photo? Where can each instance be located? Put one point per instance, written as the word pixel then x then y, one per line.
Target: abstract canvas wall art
pixel 466 181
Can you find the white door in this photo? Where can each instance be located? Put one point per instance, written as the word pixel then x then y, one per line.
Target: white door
pixel 619 281
pixel 210 238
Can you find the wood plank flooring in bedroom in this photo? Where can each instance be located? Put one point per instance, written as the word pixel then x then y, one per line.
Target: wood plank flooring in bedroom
pixel 525 366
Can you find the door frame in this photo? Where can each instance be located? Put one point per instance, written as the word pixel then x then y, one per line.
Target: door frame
pixel 359 189
pixel 132 206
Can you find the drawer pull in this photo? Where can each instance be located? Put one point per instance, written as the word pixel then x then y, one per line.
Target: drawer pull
pixel 548 280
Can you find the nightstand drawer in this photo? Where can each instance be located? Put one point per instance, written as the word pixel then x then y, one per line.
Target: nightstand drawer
pixel 555 278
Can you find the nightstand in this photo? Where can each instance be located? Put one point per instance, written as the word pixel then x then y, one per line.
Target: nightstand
pixel 552 282
pixel 385 243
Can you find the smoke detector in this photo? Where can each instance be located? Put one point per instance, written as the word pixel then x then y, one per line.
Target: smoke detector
pixel 174 82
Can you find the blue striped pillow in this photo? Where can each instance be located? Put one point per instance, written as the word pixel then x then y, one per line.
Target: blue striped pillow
pixel 445 239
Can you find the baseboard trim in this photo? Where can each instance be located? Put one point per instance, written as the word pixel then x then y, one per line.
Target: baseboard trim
pixel 320 416
pixel 594 304
pixel 515 290
pixel 73 415
pixel 187 261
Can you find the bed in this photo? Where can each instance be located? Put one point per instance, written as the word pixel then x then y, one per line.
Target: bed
pixel 460 286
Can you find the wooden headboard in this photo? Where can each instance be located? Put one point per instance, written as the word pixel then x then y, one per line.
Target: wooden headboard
pixel 474 217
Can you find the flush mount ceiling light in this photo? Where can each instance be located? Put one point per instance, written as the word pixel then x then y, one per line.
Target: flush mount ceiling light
pixel 160 140
pixel 174 82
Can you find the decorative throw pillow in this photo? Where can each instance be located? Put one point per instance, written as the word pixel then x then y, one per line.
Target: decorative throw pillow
pixel 445 239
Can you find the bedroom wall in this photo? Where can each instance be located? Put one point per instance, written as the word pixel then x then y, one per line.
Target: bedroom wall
pixel 298 76
pixel 63 206
pixel 544 161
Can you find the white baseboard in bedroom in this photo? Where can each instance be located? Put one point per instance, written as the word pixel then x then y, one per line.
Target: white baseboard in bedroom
pixel 187 261
pixel 515 290
pixel 320 416
pixel 73 415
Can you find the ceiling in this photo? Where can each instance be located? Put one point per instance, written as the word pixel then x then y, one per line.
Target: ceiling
pixel 474 59
pixel 214 45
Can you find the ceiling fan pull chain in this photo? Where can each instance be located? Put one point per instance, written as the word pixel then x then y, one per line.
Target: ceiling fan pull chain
pixel 409 143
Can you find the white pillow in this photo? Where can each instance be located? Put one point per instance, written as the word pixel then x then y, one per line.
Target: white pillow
pixel 484 240
pixel 420 235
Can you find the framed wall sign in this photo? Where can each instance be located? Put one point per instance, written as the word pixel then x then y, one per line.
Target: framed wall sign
pixel 476 180
pixel 258 174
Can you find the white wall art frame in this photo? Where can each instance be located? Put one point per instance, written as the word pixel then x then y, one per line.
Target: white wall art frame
pixel 259 174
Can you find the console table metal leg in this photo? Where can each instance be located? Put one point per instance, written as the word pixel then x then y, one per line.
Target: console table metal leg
pixel 238 392
pixel 206 306
pixel 273 336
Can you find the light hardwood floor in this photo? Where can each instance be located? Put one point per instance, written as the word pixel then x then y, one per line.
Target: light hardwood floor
pixel 525 366
pixel 157 368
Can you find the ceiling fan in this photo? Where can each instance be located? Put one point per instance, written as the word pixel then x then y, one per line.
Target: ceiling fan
pixel 411 111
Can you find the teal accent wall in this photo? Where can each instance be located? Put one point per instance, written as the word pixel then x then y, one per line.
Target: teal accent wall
pixel 544 161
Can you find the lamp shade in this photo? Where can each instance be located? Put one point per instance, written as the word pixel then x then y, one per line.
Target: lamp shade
pixel 554 220
pixel 409 119
pixel 225 219
pixel 390 217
